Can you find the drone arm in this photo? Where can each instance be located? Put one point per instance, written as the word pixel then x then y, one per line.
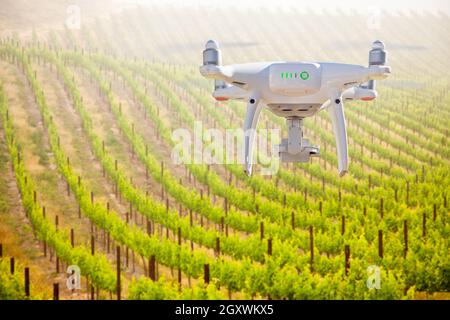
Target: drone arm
pixel 229 92
pixel 336 112
pixel 359 93
pixel 217 72
pixel 251 121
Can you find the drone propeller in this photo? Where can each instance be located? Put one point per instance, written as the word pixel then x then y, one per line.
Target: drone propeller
pixel 213 56
pixel 377 57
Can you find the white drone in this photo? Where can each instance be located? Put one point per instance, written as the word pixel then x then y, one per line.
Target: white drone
pixel 295 90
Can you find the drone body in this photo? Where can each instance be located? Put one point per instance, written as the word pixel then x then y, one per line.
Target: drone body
pixel 295 90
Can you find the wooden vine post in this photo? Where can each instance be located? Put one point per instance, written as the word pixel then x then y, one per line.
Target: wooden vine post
pixel 405 236
pixel 217 246
pixel 347 259
pixel 261 230
pixel 27 281
pixel 380 243
pixel 72 238
pixel 12 265
pixel 56 291
pixel 152 267
pixel 269 246
pixel 206 273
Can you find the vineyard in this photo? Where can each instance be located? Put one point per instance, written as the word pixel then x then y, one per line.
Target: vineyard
pixel 87 177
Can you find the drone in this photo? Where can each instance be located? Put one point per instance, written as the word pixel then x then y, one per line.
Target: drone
pixel 295 90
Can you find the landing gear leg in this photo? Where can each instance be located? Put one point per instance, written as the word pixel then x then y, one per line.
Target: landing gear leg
pixel 251 121
pixel 336 112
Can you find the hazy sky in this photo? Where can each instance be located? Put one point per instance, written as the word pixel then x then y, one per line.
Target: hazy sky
pixel 360 5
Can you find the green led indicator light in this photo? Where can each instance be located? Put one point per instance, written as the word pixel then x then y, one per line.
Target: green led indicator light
pixel 304 75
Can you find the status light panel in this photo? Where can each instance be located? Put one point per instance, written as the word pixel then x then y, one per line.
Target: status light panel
pixel 304 75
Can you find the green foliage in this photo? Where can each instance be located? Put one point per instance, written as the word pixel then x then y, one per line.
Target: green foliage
pixel 285 274
pixel 11 286
pixel 95 267
pixel 146 289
